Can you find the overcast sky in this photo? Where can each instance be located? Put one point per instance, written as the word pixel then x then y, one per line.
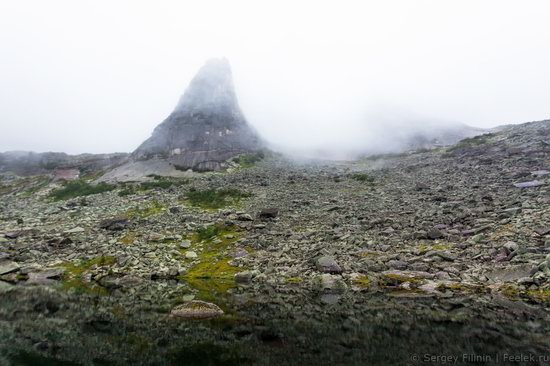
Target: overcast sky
pixel 98 76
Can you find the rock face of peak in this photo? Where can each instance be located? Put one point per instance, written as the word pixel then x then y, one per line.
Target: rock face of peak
pixel 206 128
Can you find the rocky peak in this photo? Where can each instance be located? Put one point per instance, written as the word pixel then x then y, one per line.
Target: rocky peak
pixel 206 128
pixel 211 89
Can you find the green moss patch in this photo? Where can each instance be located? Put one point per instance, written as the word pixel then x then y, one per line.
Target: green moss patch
pixel 78 188
pixel 539 295
pixel 363 177
pixel 293 280
pixel 396 279
pixel 129 238
pixel 424 248
pixel 72 279
pixel 249 160
pixel 361 281
pixel 213 276
pixel 154 208
pixel 215 198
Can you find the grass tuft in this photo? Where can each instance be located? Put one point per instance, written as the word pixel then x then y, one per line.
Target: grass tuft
pixel 79 188
pixel 249 160
pixel 214 198
pixel 363 177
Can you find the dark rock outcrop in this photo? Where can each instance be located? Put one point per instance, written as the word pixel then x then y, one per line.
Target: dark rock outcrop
pixel 58 164
pixel 207 126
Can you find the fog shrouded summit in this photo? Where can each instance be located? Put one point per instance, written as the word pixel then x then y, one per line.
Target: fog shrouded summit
pixel 309 75
pixel 206 128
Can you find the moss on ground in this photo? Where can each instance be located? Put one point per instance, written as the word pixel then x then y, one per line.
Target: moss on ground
pixel 214 198
pixel 395 279
pixel 213 276
pixel 539 295
pixel 363 177
pixel 154 208
pixel 249 160
pixel 79 188
pixel 470 142
pixel 424 248
pixel 362 281
pixel 129 238
pixel 293 280
pixel 72 279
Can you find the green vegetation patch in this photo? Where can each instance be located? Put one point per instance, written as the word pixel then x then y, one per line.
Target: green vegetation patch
pixel 363 177
pixel 424 248
pixel 215 198
pixel 539 295
pixel 293 280
pixel 72 279
pixel 395 279
pixel 78 188
pixel 36 184
pixel 249 160
pixel 129 238
pixel 213 276
pixel 361 281
pixel 143 212
pixel 471 142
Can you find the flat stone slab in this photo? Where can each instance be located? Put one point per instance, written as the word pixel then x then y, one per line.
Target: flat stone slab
pixel 512 273
pixel 75 230
pixel 8 267
pixel 197 309
pixel 533 183
pixel 46 276
pixel 540 173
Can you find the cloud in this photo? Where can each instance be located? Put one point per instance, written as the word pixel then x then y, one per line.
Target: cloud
pixel 99 76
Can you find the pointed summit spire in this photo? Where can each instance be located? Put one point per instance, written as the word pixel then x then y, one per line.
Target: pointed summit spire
pixel 206 128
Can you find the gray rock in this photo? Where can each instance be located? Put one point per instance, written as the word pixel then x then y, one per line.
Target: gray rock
pixel 327 264
pixel 114 224
pixel 185 244
pixel 243 277
pixel 244 217
pixel 540 173
pixel 46 276
pixel 190 255
pixel 511 246
pixel 435 233
pixel 530 184
pixel 268 213
pixel 512 273
pixel 8 267
pixel 543 230
pixel 396 264
pixel 197 309
pixel 75 230
pixel 329 284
